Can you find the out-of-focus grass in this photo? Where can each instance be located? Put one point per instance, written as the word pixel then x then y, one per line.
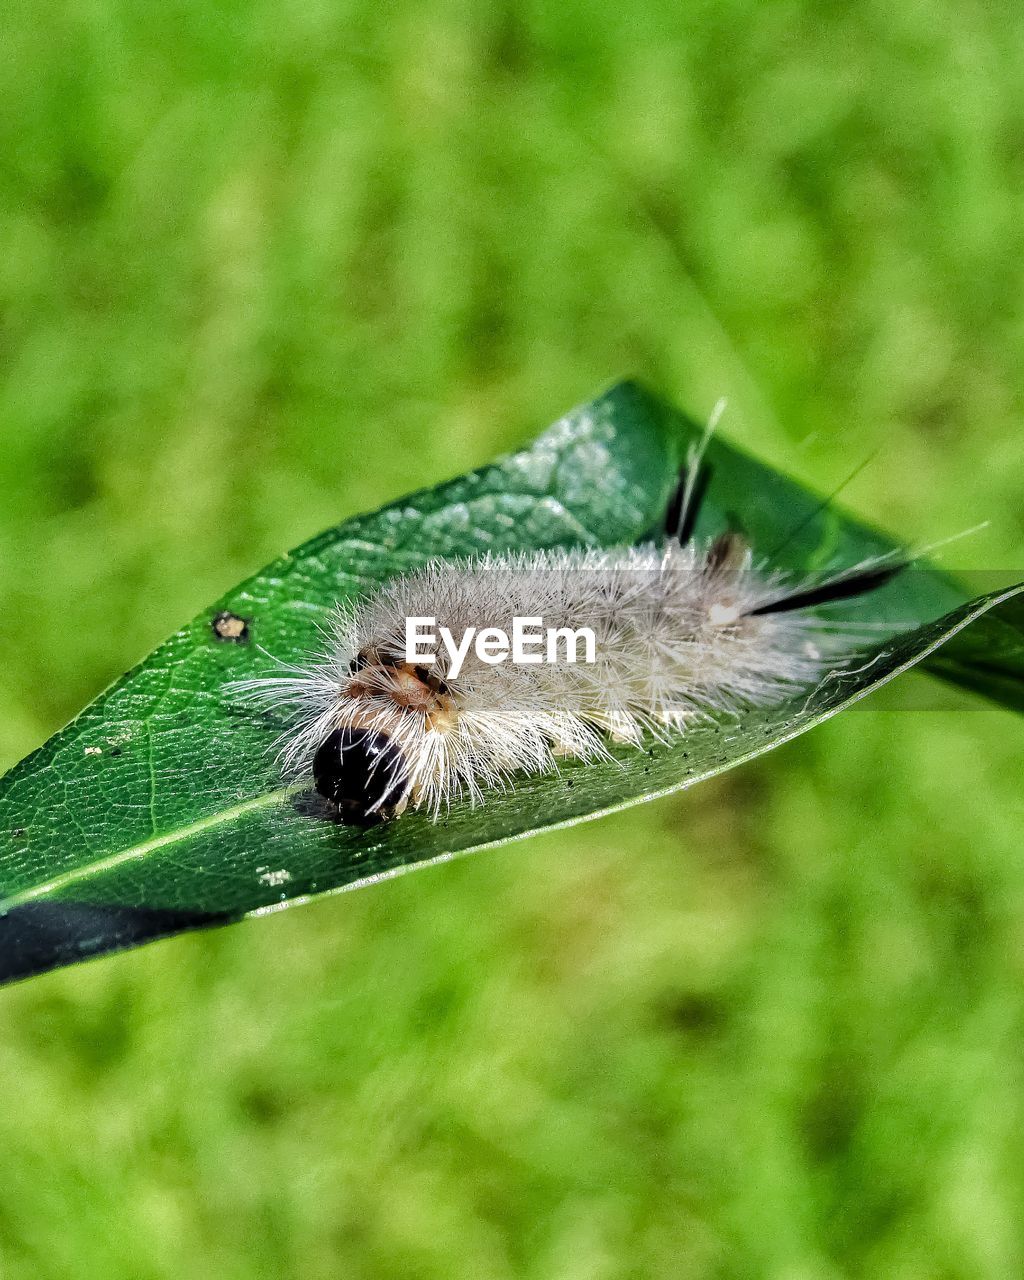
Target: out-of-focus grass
pixel 264 266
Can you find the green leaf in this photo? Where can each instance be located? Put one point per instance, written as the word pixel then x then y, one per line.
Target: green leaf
pixel 160 807
pixel 988 657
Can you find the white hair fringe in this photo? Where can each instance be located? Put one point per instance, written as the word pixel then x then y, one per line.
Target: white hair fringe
pixel 682 633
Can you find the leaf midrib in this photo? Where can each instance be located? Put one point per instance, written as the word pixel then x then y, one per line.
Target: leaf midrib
pixel 145 847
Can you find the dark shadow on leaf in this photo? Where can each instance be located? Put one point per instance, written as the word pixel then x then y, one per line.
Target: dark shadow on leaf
pixel 37 936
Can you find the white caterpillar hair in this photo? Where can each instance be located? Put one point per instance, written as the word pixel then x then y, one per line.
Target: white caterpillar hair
pixel 681 632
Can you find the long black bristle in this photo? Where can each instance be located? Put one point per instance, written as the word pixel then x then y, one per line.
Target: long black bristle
pixel 844 588
pixel 773 556
pixel 680 515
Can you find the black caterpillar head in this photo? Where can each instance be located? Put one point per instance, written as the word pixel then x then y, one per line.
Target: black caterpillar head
pixel 363 773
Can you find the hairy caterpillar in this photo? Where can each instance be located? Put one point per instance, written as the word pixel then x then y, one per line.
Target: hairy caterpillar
pixel 681 630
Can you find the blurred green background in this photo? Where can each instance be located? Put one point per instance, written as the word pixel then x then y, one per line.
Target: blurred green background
pixel 264 266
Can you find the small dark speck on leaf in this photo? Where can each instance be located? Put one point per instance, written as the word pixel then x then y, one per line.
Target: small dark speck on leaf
pixel 18 833
pixel 230 627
